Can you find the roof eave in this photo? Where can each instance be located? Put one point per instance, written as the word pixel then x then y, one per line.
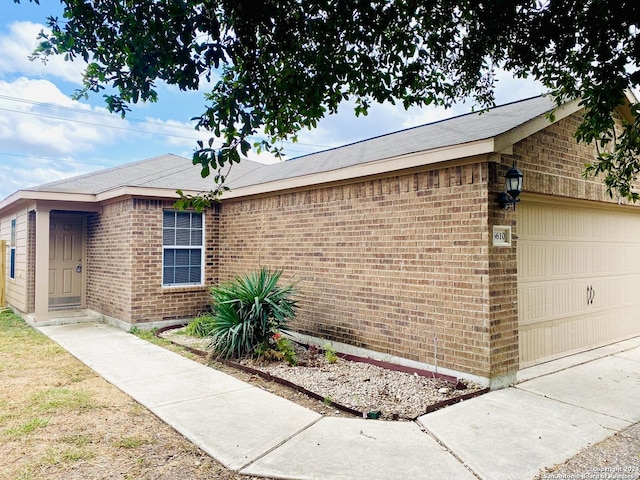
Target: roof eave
pixel 388 165
pixel 509 138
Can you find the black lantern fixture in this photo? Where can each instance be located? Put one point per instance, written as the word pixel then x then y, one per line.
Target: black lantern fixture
pixel 513 187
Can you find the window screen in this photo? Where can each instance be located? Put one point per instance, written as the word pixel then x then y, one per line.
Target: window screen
pixel 182 243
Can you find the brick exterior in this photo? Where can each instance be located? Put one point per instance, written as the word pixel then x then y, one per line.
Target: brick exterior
pixel 503 286
pixel 384 264
pixel 124 264
pixel 395 264
pixel 390 263
pixel 553 162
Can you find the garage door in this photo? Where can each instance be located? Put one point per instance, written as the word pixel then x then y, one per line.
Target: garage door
pixel 578 279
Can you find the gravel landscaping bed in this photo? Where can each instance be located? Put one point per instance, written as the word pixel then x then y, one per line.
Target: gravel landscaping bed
pixel 373 391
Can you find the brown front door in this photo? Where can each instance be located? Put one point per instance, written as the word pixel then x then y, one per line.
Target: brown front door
pixel 65 260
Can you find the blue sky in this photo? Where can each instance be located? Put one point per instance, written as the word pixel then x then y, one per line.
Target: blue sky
pixel 46 136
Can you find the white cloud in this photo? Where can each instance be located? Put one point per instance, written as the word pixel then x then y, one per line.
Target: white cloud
pixel 20 43
pixel 38 119
pixel 24 172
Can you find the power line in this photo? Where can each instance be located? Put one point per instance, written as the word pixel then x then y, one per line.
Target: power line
pixel 100 164
pixel 89 112
pixel 62 119
pixel 111 116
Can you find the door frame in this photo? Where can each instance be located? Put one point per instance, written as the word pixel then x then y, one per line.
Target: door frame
pixel 83 247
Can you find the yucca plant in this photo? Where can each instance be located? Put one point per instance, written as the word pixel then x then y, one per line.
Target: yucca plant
pixel 248 310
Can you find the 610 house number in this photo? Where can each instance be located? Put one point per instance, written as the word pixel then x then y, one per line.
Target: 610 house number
pixel 501 236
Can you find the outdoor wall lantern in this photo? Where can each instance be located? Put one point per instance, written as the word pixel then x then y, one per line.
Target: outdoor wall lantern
pixel 513 187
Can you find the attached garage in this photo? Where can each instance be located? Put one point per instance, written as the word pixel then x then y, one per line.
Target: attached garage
pixel 578 277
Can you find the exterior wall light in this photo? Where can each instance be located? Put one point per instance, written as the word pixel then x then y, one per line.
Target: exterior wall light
pixel 513 187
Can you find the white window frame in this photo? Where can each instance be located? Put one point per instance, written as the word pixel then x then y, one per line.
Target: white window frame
pixel 184 247
pixel 12 249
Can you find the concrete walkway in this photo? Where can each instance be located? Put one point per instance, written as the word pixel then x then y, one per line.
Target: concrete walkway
pixel 506 434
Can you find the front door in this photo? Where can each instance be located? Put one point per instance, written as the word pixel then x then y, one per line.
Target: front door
pixel 65 260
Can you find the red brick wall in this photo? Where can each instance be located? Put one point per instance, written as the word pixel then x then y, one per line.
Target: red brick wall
pixel 124 270
pixel 108 263
pixel 503 284
pixel 553 162
pixel 384 264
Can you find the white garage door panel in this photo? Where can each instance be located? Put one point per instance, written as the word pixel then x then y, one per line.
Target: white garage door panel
pixel 578 272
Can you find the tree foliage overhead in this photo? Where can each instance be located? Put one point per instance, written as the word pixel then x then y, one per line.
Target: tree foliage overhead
pixel 279 66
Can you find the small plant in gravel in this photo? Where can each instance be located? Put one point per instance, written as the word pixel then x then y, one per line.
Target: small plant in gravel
pixel 330 353
pixel 277 348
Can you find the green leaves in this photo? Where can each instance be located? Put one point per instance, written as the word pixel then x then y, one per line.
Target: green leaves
pixel 619 163
pixel 247 311
pixel 284 64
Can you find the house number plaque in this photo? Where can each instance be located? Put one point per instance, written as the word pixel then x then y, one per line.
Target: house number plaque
pixel 501 236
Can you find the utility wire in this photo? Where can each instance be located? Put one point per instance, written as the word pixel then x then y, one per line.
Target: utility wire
pixel 111 116
pixel 52 159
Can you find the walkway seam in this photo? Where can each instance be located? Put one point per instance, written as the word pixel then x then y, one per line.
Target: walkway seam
pixel 630 422
pixel 275 447
pixel 429 433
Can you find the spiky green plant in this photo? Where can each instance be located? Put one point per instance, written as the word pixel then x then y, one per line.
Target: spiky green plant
pixel 248 310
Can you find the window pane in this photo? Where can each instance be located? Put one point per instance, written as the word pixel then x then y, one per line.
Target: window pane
pixel 12 242
pixel 168 236
pixel 196 237
pixel 183 220
pixel 168 276
pixel 181 275
pixel 169 260
pixel 182 258
pixel 182 237
pixel 12 264
pixel 195 275
pixel 182 265
pixel 168 219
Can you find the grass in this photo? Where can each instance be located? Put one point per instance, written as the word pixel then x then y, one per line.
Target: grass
pixel 26 428
pixel 57 456
pixel 58 419
pixel 79 439
pixel 62 398
pixel 131 442
pixel 150 336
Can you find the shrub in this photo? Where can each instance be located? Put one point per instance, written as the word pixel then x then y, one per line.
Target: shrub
pixel 200 326
pixel 248 310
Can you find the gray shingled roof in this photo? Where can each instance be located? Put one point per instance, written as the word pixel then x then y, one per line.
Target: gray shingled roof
pixel 167 171
pixel 449 132
pixel 174 172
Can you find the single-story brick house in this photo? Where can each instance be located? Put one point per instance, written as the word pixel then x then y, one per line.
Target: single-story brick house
pixel 398 244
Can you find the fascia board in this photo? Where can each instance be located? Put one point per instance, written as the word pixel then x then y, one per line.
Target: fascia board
pixel 515 135
pixel 29 196
pixel 389 165
pixel 167 193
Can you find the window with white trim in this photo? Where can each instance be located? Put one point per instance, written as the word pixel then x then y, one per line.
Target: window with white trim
pixel 182 248
pixel 12 250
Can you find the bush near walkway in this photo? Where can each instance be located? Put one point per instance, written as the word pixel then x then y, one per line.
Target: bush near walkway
pixel 247 312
